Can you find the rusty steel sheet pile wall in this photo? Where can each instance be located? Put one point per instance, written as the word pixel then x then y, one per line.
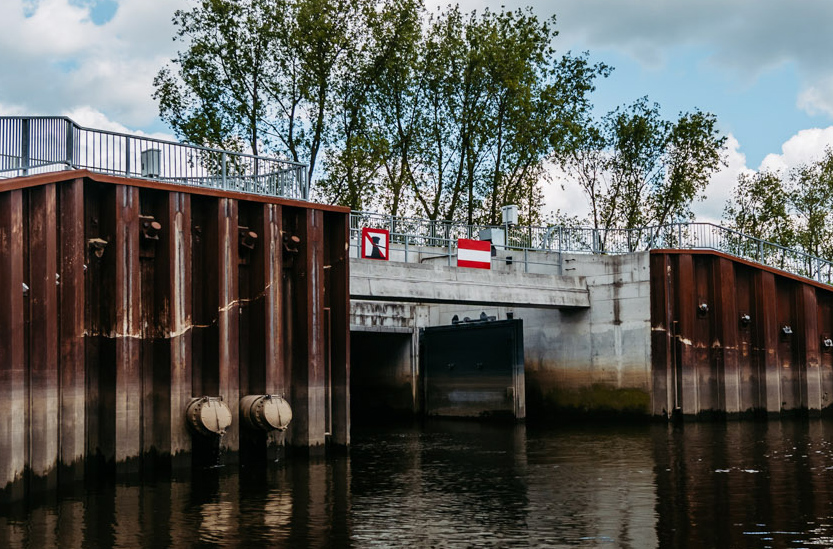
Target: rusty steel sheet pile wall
pixel 123 299
pixel 730 337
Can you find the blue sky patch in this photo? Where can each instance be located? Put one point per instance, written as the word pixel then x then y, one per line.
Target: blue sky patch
pixel 101 11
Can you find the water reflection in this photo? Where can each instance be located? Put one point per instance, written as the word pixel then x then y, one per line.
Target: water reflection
pixel 467 484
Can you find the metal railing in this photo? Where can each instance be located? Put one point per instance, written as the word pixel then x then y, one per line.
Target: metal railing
pixel 33 145
pixel 410 231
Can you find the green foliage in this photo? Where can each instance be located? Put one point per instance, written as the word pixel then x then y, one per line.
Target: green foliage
pixel 444 115
pixel 795 210
pixel 759 208
pixel 810 195
pixel 637 169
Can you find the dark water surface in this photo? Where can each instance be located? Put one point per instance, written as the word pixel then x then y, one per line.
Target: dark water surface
pixel 464 484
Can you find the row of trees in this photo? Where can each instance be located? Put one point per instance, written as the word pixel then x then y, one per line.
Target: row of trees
pixel 445 115
pixel 793 209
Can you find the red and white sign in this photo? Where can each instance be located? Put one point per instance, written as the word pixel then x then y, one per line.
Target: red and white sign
pixel 476 254
pixel 375 244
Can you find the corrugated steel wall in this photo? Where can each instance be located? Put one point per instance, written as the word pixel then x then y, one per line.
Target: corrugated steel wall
pixel 141 296
pixel 731 337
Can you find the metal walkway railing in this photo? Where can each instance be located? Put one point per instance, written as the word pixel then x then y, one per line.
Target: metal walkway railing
pixel 410 231
pixel 31 145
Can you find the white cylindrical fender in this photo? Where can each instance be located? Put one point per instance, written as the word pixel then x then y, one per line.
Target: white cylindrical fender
pixel 208 416
pixel 265 412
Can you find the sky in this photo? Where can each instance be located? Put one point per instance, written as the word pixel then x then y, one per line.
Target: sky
pixel 763 67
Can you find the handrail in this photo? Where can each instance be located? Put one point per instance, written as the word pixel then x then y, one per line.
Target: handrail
pixel 414 231
pixel 39 144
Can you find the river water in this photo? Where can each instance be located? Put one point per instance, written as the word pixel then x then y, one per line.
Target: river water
pixel 467 484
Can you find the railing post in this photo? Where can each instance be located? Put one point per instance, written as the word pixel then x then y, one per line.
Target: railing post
pixel 679 235
pixel 560 238
pixel 449 251
pixel 24 146
pixel 70 145
pixel 127 155
pixel 224 170
pixel 760 251
pixel 595 245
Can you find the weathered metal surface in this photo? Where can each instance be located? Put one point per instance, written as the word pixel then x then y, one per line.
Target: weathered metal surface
pixel 662 352
pixel 473 370
pixel 126 330
pixel 825 329
pixel 12 366
pixel 228 318
pixel 306 271
pixel 71 288
pixel 726 336
pixel 42 253
pixel 338 272
pixel 744 339
pixel 750 373
pixel 175 312
pixel 122 302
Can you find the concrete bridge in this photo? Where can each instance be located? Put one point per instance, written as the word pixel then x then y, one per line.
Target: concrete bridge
pixel 579 331
pixel 694 332
pixel 436 283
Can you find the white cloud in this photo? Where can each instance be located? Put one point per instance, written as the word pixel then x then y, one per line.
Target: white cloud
pixel 63 61
pixel 803 148
pixel 54 29
pixel 89 117
pixel 817 98
pixel 563 193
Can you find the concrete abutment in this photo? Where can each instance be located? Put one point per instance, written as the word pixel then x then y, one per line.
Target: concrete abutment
pixel 667 333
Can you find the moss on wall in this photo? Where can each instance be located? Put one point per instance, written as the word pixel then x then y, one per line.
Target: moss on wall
pixel 595 400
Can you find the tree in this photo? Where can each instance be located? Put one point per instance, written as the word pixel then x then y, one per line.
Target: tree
pixel 810 196
pixel 216 98
pixel 448 115
pixel 759 208
pixel 362 138
pixel 259 72
pixel 638 170
pixel 491 101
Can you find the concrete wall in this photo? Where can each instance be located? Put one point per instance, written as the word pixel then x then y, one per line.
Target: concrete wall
pixel 594 359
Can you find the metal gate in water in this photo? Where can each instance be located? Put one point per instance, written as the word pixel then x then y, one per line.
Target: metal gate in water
pixel 474 369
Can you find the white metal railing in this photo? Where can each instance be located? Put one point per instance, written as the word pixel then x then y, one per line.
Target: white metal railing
pixel 31 145
pixel 411 231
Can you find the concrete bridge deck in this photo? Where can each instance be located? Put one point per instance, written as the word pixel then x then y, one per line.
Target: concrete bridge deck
pixel 433 283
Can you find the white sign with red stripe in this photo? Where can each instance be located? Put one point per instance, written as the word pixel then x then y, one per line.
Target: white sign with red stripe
pixel 476 254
